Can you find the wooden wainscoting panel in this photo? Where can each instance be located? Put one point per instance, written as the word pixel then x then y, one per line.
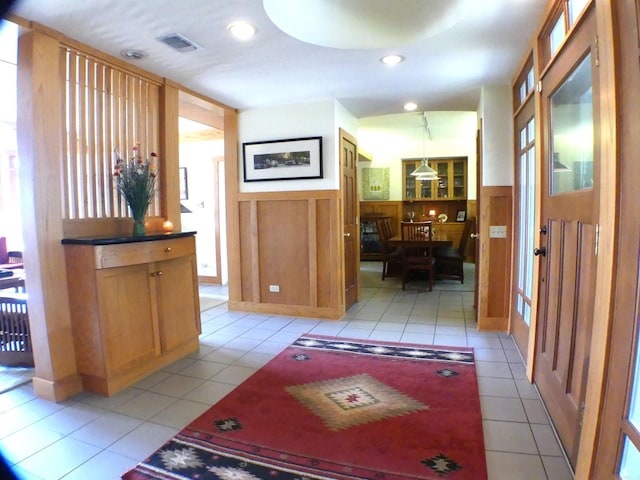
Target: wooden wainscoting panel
pixel 283 253
pixel 289 239
pixel 328 293
pixel 386 208
pixel 495 259
pixel 248 263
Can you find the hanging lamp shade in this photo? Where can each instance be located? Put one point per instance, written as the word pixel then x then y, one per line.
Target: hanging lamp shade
pixel 424 170
pixel 427 176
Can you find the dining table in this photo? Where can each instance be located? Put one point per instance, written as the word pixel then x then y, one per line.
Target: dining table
pixel 15 280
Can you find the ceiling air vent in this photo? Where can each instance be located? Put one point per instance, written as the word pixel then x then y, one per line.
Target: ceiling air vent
pixel 178 42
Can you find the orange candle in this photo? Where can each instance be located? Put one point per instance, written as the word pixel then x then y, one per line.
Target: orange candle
pixel 167 226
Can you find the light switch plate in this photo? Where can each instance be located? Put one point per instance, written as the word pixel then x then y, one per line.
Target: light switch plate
pixel 498 231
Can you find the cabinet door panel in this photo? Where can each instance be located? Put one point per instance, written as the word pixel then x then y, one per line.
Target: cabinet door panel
pixel 129 332
pixel 178 301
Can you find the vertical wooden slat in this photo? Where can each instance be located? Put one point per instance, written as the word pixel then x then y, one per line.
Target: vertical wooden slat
pixel 81 158
pixel 101 152
pixel 91 158
pixel 66 191
pixel 109 144
pixel 72 138
pixel 117 137
pixel 105 109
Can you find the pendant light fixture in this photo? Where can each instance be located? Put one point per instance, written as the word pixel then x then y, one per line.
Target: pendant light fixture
pixel 424 171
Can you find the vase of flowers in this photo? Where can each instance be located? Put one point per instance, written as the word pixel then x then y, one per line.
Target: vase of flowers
pixel 136 181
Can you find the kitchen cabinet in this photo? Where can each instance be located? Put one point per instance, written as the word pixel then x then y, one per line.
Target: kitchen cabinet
pixel 134 306
pixel 451 183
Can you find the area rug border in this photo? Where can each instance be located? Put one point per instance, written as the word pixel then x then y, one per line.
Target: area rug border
pixel 381 348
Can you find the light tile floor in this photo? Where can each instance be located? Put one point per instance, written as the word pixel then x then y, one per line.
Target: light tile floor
pixel 89 436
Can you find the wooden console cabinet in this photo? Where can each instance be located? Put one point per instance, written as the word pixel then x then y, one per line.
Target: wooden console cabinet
pixel 134 306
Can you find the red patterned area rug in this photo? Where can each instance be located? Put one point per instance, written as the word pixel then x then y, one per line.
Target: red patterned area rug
pixel 334 408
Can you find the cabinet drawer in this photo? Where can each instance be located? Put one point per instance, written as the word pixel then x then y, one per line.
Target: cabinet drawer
pixel 109 256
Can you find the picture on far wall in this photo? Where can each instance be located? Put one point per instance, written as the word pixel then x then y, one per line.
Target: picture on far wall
pixel 289 159
pixel 375 183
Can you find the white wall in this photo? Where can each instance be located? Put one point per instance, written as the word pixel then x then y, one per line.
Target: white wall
pixel 496 112
pixel 390 138
pixel 321 118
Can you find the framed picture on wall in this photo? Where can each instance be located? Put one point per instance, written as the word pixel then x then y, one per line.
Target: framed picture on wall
pixel 461 216
pixel 290 159
pixel 184 187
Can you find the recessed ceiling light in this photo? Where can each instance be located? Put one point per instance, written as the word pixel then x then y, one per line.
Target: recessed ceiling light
pixel 241 30
pixel 410 106
pixel 392 59
pixel 131 54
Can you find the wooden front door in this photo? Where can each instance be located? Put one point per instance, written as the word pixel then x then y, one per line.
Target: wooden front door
pixel 348 161
pixel 567 240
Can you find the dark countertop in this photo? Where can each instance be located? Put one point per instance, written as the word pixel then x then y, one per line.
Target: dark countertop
pixel 110 240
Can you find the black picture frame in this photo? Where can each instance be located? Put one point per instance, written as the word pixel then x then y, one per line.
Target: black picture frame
pixel 287 159
pixel 461 216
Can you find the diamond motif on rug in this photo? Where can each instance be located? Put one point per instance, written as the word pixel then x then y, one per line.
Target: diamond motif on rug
pixel 441 464
pixel 346 402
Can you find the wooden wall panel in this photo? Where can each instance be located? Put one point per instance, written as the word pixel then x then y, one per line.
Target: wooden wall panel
pixel 283 251
pixel 290 239
pixel 327 288
pixel 495 259
pixel 386 208
pixel 246 242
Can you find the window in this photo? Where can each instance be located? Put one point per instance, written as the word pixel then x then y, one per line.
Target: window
pixel 572 132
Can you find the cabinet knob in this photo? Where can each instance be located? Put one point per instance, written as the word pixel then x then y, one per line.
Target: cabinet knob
pixel 156 274
pixel 168 249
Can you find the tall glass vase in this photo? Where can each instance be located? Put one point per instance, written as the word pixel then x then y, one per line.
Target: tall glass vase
pixel 138 215
pixel 139 229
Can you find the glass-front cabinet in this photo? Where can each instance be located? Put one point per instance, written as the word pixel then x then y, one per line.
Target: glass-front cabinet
pixel 451 183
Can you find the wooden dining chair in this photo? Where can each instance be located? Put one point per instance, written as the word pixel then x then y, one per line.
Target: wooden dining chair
pixel 450 261
pixel 390 254
pixel 15 335
pixel 417 251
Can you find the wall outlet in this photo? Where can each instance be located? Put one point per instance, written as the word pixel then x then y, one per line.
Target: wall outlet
pixel 274 288
pixel 498 231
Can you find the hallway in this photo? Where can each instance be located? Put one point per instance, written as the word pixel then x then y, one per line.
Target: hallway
pixel 94 437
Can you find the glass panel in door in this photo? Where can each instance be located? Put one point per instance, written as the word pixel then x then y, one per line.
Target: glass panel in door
pixel 443 183
pixel 426 188
pixel 458 179
pixel 409 180
pixel 630 462
pixel 572 132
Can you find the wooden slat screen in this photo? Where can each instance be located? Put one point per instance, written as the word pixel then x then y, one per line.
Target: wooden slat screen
pixel 105 109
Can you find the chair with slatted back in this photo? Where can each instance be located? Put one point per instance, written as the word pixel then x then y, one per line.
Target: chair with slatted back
pixel 15 335
pixel 390 254
pixel 450 261
pixel 417 251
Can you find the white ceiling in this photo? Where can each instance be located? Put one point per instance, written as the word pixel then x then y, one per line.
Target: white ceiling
pixel 441 72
